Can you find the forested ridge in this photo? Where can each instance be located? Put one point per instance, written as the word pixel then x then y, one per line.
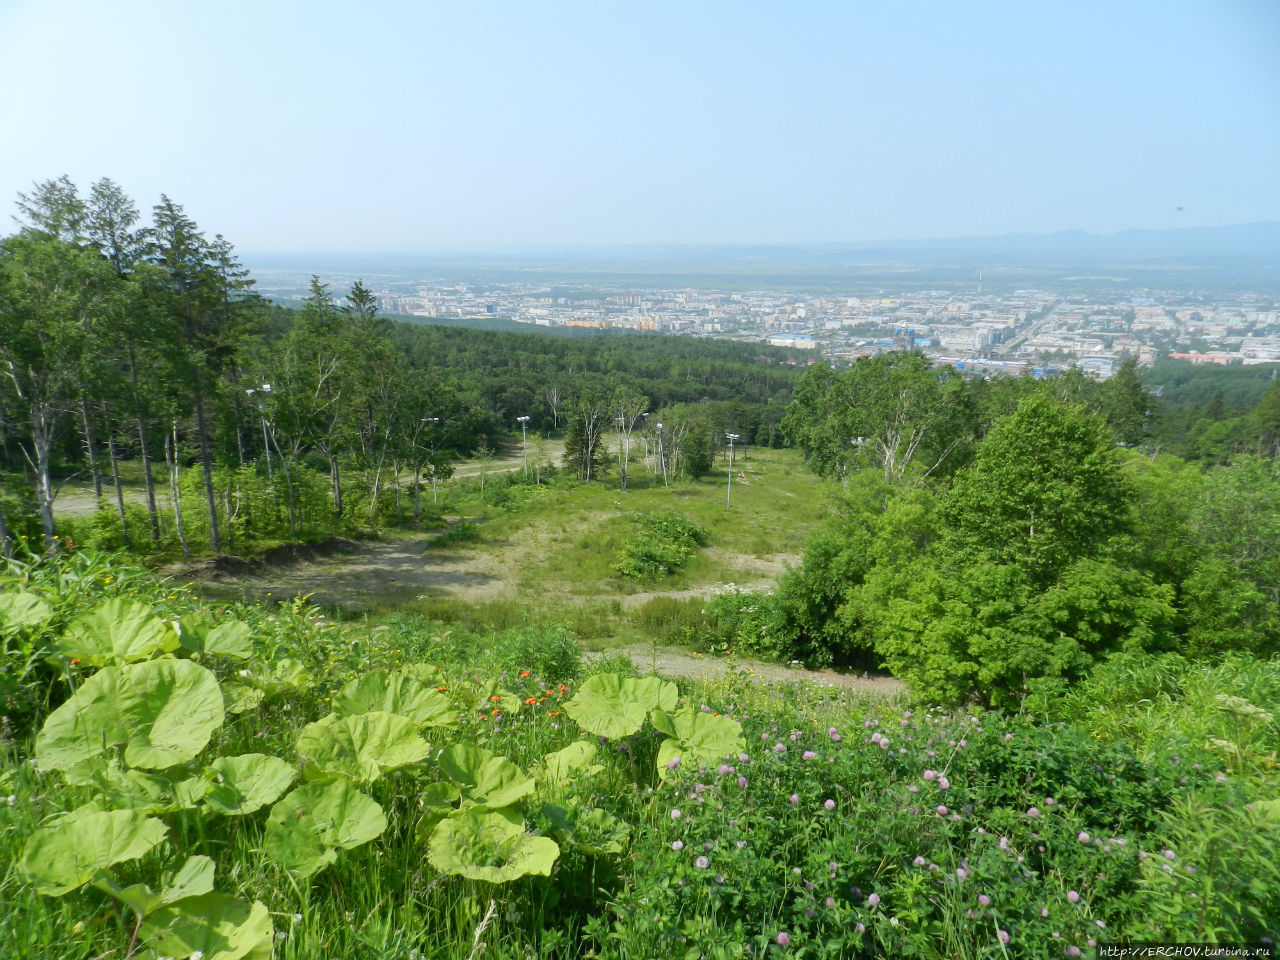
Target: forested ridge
pixel 996 540
pixel 124 341
pixel 989 537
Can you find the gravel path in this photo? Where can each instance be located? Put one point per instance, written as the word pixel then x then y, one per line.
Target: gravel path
pixel 677 663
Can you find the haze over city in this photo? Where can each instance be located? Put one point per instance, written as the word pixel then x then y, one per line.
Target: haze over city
pixel 434 127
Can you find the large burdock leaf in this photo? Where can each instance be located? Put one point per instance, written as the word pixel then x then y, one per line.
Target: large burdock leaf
pixel 486 779
pixel 610 706
pixel 20 609
pixel 230 639
pixel 193 879
pixel 151 793
pixel 243 784
pixel 593 830
pixel 361 748
pixel 489 845
pixel 214 925
pixel 285 676
pixel 308 827
pixel 397 693
pixel 241 698
pixel 571 763
pixel 66 855
pixel 118 631
pixel 697 737
pixel 162 712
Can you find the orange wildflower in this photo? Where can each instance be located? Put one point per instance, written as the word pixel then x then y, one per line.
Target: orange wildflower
pixel 495 699
pixel 441 689
pixel 523 674
pixel 531 701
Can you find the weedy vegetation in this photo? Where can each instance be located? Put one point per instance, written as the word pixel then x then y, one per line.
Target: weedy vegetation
pixel 247 781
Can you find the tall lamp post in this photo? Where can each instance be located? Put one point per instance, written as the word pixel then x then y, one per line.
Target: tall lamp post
pixel 728 490
pixel 260 394
pixel 524 443
pixel 435 479
pixel 662 461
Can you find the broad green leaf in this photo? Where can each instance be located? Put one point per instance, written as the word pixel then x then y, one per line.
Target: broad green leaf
pixel 489 845
pixel 484 697
pixel 243 784
pixel 571 763
pixel 668 751
pixel 149 793
pixel 699 738
pixel 230 639
pixel 193 879
pixel 118 631
pixel 240 697
pixel 661 721
pixel 162 712
pixel 437 802
pixel 65 855
pixel 486 779
pixel 611 706
pixel 361 748
pixel 285 676
pixel 308 827
pixel 218 926
pixel 599 832
pixel 20 609
pixel 397 693
pixel 593 831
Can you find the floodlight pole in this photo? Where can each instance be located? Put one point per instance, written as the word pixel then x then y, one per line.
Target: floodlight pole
pixel 262 414
pixel 662 461
pixel 728 490
pixel 524 443
pixel 435 490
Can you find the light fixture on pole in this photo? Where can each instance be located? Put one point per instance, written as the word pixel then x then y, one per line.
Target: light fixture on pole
pixel 435 479
pixel 262 392
pixel 728 491
pixel 662 461
pixel 524 443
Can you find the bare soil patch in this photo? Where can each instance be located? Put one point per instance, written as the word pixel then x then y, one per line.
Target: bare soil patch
pixel 675 663
pixel 362 573
pixel 352 573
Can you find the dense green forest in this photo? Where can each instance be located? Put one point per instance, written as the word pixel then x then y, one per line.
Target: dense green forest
pixel 124 343
pixel 999 539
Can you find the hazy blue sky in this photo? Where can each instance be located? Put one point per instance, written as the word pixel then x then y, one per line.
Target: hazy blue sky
pixel 424 126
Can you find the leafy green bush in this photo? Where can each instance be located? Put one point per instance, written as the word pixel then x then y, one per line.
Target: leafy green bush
pixel 456 535
pixel 548 651
pixel 662 544
pixel 338 769
pixel 749 623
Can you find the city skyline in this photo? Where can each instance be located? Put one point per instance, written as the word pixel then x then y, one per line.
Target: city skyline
pixel 429 128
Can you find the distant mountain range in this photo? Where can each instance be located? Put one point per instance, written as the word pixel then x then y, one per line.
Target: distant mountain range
pixel 1230 259
pixel 1252 242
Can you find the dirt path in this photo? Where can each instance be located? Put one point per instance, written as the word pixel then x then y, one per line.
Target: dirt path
pixel 672 662
pixel 380 572
pixel 362 574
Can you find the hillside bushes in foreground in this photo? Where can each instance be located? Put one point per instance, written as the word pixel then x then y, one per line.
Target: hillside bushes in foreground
pixel 723 819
